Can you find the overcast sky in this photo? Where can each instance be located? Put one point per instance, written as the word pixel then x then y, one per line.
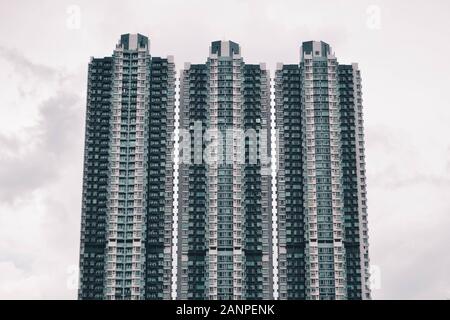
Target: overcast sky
pixel 402 49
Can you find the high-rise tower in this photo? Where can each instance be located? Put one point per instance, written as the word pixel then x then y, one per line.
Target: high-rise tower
pixel 126 232
pixel 225 237
pixel 322 212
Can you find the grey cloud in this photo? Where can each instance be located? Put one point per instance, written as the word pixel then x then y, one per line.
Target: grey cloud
pixel 411 260
pixel 391 178
pixel 405 244
pixel 20 261
pixel 384 146
pixel 9 144
pixel 448 160
pixel 24 66
pixel 62 123
pixel 21 176
pixel 380 137
pixel 56 138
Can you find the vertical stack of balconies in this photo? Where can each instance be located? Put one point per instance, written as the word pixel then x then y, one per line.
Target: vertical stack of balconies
pixel 193 242
pixel 128 271
pixel 354 185
pixel 227 189
pixel 333 183
pixel 95 179
pixel 290 205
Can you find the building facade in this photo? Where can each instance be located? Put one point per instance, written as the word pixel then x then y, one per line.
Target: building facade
pixel 225 234
pixel 126 231
pixel 321 191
